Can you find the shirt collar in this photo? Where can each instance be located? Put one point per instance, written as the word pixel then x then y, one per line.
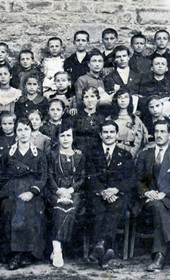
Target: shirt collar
pixel 111 148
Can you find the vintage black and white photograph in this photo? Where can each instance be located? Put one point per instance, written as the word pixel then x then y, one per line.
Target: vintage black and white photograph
pixel 84 139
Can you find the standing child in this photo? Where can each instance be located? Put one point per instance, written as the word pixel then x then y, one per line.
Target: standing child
pixel 25 65
pixel 4 49
pixel 139 63
pixel 52 63
pixel 39 140
pixel 8 94
pixel 7 125
pixel 77 63
pixel 31 98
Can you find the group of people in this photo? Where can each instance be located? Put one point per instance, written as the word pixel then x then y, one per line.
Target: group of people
pixel 85 135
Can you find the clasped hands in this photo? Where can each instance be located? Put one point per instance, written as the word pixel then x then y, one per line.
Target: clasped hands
pixel 154 195
pixel 26 196
pixel 64 195
pixel 110 194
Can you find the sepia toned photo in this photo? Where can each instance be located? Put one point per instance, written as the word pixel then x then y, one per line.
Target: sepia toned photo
pixel 84 139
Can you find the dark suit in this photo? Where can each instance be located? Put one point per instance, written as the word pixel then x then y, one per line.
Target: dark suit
pixel 119 175
pixel 113 78
pixel 149 178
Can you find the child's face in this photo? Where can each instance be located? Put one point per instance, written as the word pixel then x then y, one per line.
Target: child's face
pixel 56 111
pixel 7 124
pixel 66 139
pixel 161 40
pixel 62 82
pixel 31 86
pixel 90 100
pixel 54 47
pixel 35 120
pixel 96 64
pixel 155 108
pixel 159 65
pixel 109 41
pixel 123 100
pixel 81 42
pixel 26 60
pixel 139 45
pixel 5 76
pixel 3 54
pixel 122 59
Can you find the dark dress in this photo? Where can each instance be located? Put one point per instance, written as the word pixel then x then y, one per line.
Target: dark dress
pixel 64 172
pixel 24 221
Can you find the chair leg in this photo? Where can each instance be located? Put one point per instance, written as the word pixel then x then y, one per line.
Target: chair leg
pixel 126 236
pixel 132 240
pixel 86 244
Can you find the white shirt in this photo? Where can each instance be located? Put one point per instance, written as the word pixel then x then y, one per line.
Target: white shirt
pixel 124 74
pixel 111 148
pixel 164 148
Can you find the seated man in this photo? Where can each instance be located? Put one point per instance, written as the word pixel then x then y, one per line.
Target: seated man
pixel 153 175
pixel 110 181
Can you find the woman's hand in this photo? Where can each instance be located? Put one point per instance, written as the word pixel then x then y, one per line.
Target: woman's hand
pixel 26 196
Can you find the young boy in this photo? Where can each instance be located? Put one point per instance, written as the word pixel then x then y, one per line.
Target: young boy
pixel 161 40
pixel 77 63
pixel 23 67
pixel 109 39
pixel 138 62
pixel 3 53
pixel 123 76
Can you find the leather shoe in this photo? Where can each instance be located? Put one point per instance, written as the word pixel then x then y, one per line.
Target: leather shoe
pixel 158 263
pixel 15 263
pixel 108 256
pixel 25 261
pixel 98 252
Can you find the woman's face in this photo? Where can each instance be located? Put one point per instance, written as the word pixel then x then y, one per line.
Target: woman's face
pixel 35 120
pixel 90 99
pixel 56 111
pixel 123 100
pixel 23 132
pixel 66 139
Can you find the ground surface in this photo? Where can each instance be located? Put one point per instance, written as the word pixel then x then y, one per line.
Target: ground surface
pixel 78 270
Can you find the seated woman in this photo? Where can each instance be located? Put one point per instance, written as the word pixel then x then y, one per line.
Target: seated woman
pixel 88 120
pixel 22 205
pixel 132 132
pixel 66 176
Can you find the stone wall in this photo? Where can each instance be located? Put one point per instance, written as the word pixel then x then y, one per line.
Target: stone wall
pixel 31 22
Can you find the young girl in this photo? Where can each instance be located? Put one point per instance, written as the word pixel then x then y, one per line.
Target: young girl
pixel 22 205
pixel 31 98
pixel 66 176
pixel 88 120
pixel 7 125
pixel 56 109
pixel 40 140
pixel 64 91
pixel 52 63
pixel 132 131
pixel 8 94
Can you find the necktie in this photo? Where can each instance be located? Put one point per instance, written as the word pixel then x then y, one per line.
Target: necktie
pixel 159 157
pixel 108 157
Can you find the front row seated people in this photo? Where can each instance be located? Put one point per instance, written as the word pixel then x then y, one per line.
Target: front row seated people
pixel 110 181
pixel 153 177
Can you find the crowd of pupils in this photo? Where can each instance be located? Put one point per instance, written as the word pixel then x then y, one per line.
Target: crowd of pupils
pixel 79 91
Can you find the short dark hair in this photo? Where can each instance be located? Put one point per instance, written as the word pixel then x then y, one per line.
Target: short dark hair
pixel 94 90
pixel 136 36
pixel 109 31
pixel 25 121
pixel 120 48
pixel 62 73
pixel 160 31
pixel 109 122
pixel 163 122
pixel 26 51
pixel 56 100
pixel 6 65
pixel 94 52
pixel 66 125
pixel 54 38
pixel 83 32
pixel 157 56
pixel 153 97
pixel 2 44
pixel 33 75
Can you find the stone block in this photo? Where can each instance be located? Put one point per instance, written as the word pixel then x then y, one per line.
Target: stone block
pixel 75 6
pixel 153 16
pixel 39 6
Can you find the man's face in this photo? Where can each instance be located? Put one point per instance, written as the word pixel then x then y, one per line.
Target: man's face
pixel 138 45
pixel 161 134
pixel 96 64
pixel 122 59
pixel 81 42
pixel 161 40
pixel 159 65
pixel 108 134
pixel 155 108
pixel 109 41
pixel 26 60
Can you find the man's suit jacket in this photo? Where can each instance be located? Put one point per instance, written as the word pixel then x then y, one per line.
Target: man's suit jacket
pixel 133 84
pixel 118 174
pixel 145 173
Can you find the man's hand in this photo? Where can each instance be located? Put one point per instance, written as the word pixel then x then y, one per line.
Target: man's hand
pixel 26 196
pixel 108 193
pixel 154 195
